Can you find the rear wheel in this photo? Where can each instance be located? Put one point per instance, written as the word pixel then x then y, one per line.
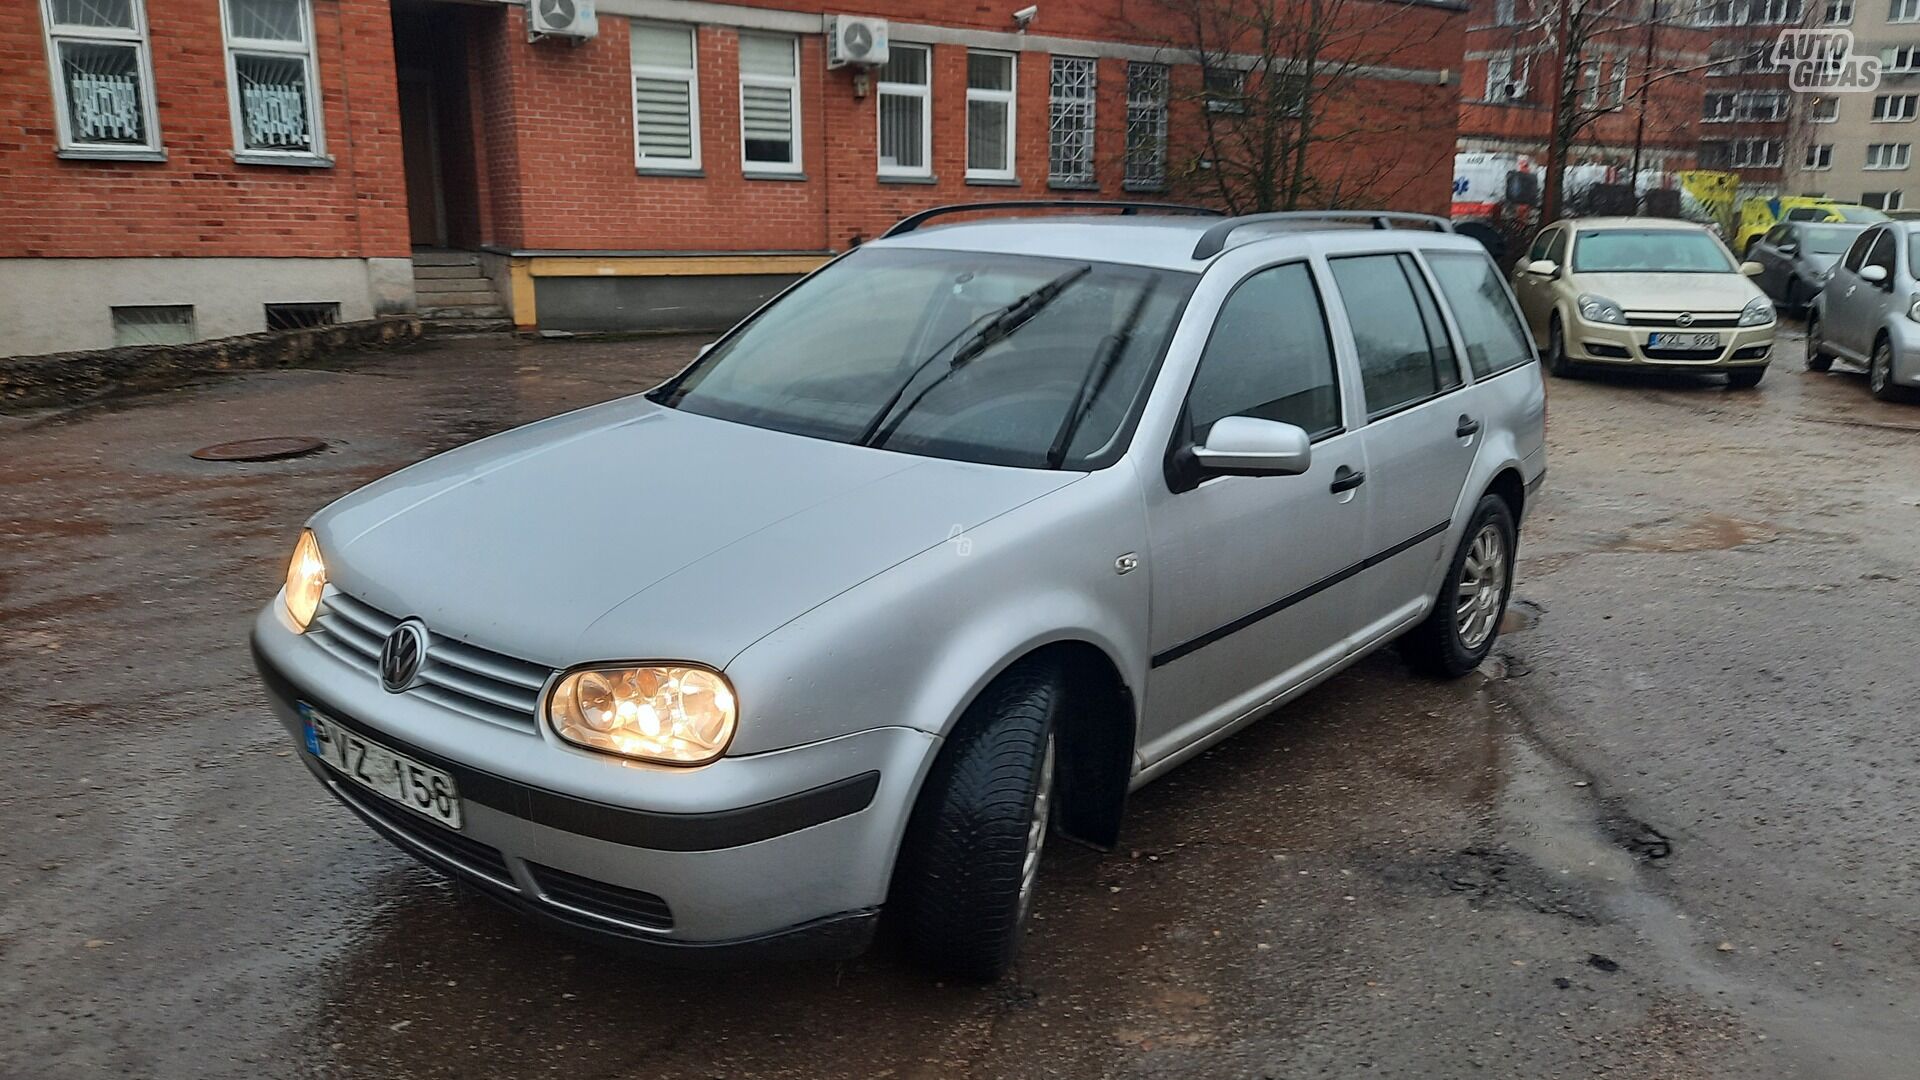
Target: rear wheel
pixel 1465 621
pixel 972 850
pixel 1818 358
pixel 1745 378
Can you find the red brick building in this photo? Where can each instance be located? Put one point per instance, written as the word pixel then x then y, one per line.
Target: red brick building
pixel 192 167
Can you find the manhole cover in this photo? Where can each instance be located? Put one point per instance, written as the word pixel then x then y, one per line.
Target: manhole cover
pixel 285 446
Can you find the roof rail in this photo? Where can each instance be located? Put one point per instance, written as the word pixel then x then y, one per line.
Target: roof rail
pixel 1214 240
pixel 912 222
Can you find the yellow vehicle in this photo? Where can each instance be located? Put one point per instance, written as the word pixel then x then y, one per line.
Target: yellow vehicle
pixel 1757 215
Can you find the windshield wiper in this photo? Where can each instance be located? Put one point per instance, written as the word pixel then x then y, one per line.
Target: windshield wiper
pixel 1095 380
pixel 1000 326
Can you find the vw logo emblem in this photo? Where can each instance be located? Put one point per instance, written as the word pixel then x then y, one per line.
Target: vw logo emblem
pixel 1685 319
pixel 400 658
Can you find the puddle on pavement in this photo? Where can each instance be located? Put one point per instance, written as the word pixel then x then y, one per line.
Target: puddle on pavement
pixel 1706 532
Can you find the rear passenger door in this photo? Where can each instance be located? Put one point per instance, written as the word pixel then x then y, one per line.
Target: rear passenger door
pixel 1422 431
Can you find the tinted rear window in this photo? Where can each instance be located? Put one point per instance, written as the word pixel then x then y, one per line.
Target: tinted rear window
pixel 1488 326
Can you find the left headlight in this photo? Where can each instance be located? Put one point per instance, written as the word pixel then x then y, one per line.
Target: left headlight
pixel 669 713
pixel 306 579
pixel 1758 312
pixel 1601 310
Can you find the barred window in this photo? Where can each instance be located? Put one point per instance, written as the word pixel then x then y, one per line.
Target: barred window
pixel 270 79
pixel 1070 122
pixel 990 116
pixel 1147 93
pixel 769 103
pixel 102 77
pixel 906 112
pixel 666 98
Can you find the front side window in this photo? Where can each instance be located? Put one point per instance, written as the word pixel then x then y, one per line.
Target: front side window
pixel 985 357
pixel 270 78
pixel 1857 254
pixel 990 116
pixel 1147 93
pixel 102 77
pixel 906 109
pixel 1649 251
pixel 666 98
pixel 1482 309
pixel 1070 122
pixel 769 103
pixel 1269 356
pixel 1403 349
pixel 1881 255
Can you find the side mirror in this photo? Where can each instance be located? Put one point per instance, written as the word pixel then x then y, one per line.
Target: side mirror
pixel 1543 267
pixel 1752 269
pixel 1787 247
pixel 1873 275
pixel 1248 446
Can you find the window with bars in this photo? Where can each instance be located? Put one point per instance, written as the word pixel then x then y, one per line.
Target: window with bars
pixel 271 79
pixel 1070 122
pixel 1889 155
pixel 1148 91
pixel 102 77
pixel 1819 157
pixel 302 316
pixel 666 98
pixel 906 112
pixel 990 95
pixel 1895 108
pixel 769 103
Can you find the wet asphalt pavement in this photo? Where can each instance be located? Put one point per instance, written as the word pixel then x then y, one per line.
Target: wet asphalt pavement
pixel 1671 830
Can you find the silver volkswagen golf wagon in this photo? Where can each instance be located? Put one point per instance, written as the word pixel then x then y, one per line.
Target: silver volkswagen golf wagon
pixel 944 550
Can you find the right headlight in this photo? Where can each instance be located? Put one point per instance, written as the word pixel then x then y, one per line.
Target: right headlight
pixel 670 714
pixel 1601 310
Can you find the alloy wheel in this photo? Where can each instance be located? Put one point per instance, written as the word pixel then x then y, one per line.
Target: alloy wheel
pixel 1483 583
pixel 1037 829
pixel 1880 372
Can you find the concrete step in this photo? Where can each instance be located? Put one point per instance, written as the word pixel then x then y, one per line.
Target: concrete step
pixel 422 273
pixel 451 285
pixel 445 258
pixel 464 298
pixel 434 312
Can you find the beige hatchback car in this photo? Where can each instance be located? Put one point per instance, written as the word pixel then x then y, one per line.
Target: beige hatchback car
pixel 1645 292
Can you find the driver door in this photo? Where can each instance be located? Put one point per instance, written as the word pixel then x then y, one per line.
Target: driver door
pixel 1852 301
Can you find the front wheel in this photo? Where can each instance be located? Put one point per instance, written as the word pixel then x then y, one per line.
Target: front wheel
pixel 1465 621
pixel 1818 358
pixel 1557 362
pixel 1880 373
pixel 972 849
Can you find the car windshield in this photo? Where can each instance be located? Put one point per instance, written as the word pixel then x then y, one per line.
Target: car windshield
pixel 1001 359
pixel 1827 239
pixel 1665 251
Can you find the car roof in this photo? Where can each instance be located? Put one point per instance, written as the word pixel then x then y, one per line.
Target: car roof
pixel 1162 241
pixel 1599 223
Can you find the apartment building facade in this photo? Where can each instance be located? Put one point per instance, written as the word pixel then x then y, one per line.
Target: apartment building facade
pixel 1750 118
pixel 1858 146
pixel 187 168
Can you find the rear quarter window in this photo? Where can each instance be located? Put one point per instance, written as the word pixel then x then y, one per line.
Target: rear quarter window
pixel 1489 329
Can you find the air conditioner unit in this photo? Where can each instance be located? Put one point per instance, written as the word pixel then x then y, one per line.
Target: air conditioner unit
pixel 561 19
pixel 853 40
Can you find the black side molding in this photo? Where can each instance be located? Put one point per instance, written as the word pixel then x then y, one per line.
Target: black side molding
pixel 601 821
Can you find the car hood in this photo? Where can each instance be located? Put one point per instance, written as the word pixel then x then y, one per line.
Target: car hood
pixel 1671 292
pixel 631 531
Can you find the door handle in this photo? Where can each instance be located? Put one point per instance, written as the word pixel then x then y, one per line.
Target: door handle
pixel 1346 478
pixel 1467 426
pixel 1850 289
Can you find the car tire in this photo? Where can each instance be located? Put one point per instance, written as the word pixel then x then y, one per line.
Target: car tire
pixel 972 846
pixel 1452 640
pixel 1880 374
pixel 1818 358
pixel 1557 363
pixel 1745 378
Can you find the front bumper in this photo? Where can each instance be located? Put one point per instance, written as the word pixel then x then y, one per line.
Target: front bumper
pixel 1607 343
pixel 775 855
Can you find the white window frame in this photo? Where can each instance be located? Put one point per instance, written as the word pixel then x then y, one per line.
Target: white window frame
pixel 1831 116
pixel 1500 69
pixel 1819 157
pixel 1886 112
pixel 789 83
pixel 1719 106
pixel 1891 56
pixel 55 33
pixel 1903 11
pixel 1008 99
pixel 306 51
pixel 1776 12
pixel 1749 105
pixel 689 75
pixel 923 91
pixel 1092 178
pixel 1838 13
pixel 1770 153
pixel 1893 157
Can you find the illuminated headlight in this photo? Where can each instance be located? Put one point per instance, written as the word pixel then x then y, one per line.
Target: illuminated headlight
pixel 1758 312
pixel 670 714
pixel 306 579
pixel 1601 310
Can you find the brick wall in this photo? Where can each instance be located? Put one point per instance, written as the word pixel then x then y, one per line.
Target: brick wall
pixel 199 202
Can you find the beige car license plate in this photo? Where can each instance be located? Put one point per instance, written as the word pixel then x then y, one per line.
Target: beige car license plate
pixel 387 773
pixel 1683 341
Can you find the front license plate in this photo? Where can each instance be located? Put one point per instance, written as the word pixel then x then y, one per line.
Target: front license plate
pixel 1683 341
pixel 391 775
